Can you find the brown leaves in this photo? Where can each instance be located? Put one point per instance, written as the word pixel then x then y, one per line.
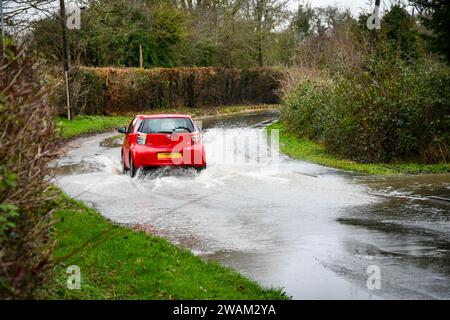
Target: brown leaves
pixel 26 147
pixel 124 90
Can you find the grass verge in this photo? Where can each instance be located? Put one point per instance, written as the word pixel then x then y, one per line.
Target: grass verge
pixel 95 124
pixel 313 152
pixel 90 124
pixel 119 263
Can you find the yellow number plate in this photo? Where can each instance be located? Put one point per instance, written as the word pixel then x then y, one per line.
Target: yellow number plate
pixel 175 155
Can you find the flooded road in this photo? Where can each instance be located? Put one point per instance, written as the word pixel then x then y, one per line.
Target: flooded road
pixel 312 230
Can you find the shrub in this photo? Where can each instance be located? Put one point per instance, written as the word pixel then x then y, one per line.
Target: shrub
pixel 124 90
pixel 26 147
pixel 388 112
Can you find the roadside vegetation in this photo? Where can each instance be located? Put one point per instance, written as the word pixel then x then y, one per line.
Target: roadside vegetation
pixel 386 110
pixel 396 113
pixel 119 263
pixel 27 145
pixel 308 150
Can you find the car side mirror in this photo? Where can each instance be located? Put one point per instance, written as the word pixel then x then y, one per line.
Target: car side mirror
pixel 122 130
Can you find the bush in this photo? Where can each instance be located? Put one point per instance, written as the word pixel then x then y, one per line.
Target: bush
pixel 124 90
pixel 388 112
pixel 26 147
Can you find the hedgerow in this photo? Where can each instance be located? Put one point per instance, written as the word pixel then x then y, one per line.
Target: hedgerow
pixel 384 112
pixel 123 90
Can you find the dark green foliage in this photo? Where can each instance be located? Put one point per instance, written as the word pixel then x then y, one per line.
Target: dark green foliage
pixel 232 34
pixel 435 16
pixel 303 19
pixel 390 112
pixel 398 27
pixel 112 90
pixel 113 31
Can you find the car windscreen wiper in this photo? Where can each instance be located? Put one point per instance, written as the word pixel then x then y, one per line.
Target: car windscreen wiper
pixel 184 128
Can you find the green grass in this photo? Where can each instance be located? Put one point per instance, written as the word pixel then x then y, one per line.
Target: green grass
pixel 90 124
pixel 314 152
pixel 94 124
pixel 119 263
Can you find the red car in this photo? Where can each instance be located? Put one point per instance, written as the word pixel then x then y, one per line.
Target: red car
pixel 161 140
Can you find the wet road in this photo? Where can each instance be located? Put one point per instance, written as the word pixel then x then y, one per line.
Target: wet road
pixel 312 230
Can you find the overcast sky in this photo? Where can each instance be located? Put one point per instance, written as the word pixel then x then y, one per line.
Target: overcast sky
pixel 355 6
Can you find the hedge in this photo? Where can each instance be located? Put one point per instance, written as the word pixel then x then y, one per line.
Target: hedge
pixel 123 90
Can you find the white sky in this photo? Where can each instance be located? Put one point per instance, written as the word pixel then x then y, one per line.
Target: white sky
pixel 355 6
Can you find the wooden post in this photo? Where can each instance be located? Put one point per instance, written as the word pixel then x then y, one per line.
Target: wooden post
pixel 3 29
pixel 141 60
pixel 65 56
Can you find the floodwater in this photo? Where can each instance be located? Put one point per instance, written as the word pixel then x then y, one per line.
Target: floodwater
pixel 318 233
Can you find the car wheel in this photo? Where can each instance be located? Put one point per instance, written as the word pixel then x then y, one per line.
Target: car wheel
pixel 132 168
pixel 124 168
pixel 200 169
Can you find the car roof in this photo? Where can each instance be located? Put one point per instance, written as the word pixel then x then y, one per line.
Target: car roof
pixel 163 115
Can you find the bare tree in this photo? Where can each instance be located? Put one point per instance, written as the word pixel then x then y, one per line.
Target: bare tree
pixel 19 14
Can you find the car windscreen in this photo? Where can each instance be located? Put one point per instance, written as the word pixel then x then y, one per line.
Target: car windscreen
pixel 166 125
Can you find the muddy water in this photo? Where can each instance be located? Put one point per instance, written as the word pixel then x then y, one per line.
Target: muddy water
pixel 312 230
